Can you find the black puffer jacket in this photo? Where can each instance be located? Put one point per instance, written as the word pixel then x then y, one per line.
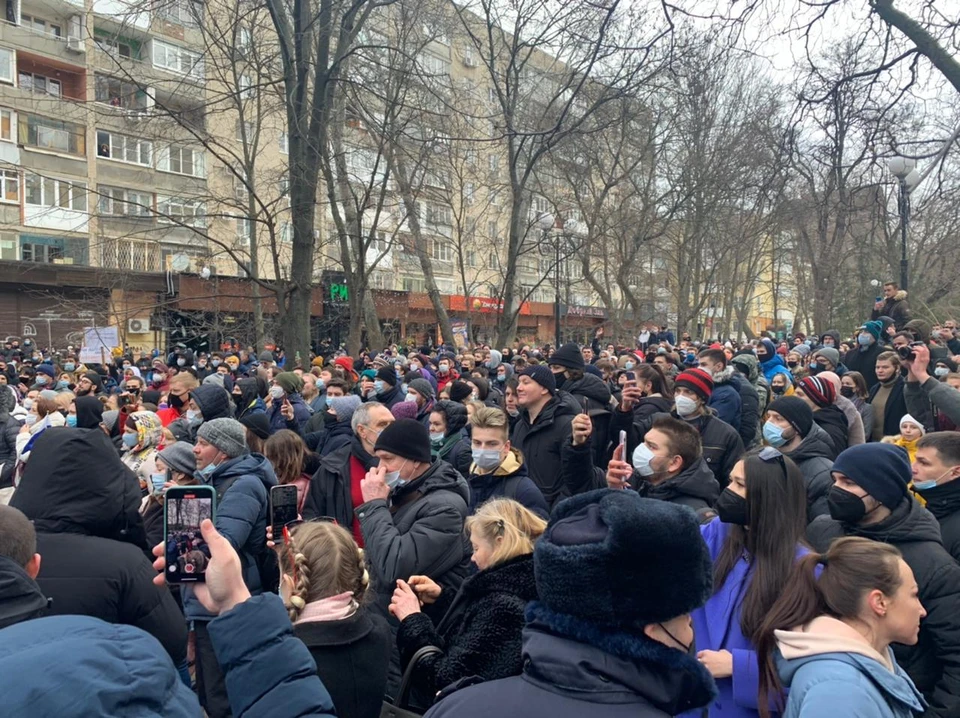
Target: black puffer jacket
pixel 749 411
pixel 934 662
pixel 943 502
pixel 597 395
pixel 557 467
pixel 9 428
pixel 695 486
pixel 20 596
pixel 864 360
pixel 480 633
pixel 418 530
pixel 84 504
pixel 834 422
pixel 814 457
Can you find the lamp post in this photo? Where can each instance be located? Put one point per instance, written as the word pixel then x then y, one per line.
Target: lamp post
pixel 904 169
pixel 561 246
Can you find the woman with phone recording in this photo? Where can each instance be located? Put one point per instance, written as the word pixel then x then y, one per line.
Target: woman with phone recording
pixel 142 437
pixel 754 542
pixel 648 393
pixel 480 633
pixel 324 584
pixel 292 462
pixel 174 466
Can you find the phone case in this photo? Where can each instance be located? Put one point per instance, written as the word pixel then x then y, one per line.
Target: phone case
pixel 179 491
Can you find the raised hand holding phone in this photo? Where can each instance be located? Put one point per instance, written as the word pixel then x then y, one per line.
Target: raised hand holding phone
pixel 618 470
pixel 286 410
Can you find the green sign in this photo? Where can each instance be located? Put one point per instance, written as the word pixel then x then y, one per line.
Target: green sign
pixel 339 293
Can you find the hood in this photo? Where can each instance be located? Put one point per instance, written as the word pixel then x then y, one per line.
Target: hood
pixel 944 499
pixel 441 476
pixel 697 480
pixel 213 402
pixel 774 361
pixel 590 386
pixel 726 376
pixel 20 596
pixel 514 576
pixel 255 464
pixel 750 362
pixel 496 359
pixel 900 295
pixel 89 412
pixel 833 334
pixel 909 523
pixel 830 641
pixel 75 482
pixel 815 444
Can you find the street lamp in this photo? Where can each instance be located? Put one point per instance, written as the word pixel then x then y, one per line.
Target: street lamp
pixel 904 169
pixel 546 222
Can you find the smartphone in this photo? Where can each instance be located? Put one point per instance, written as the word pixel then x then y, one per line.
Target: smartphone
pixel 184 508
pixel 623 441
pixel 283 509
pixel 583 405
pixel 631 376
pixel 879 299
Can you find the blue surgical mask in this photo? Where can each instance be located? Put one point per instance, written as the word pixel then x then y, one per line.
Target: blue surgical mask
pixel 130 440
pixel 501 378
pixel 864 339
pixel 378 386
pixel 62 384
pixel 328 400
pixel 392 478
pixel 685 405
pixel 932 484
pixel 43 379
pixel 628 365
pixel 642 458
pixel 192 415
pixel 773 435
pixel 486 459
pixel 71 419
pixel 436 438
pixel 207 470
pixel 158 480
pixel 321 384
pixel 215 363
pixel 181 361
pixel 941 371
pixel 69 366
pixel 410 397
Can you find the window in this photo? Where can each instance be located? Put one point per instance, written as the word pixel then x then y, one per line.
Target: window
pixel 116 201
pixel 39 84
pixel 177 59
pixel 130 255
pixel 112 146
pixel 286 232
pixel 492 229
pixel 117 93
pixel 470 157
pixel 53 192
pixel 492 96
pixel 7 64
pixel 412 284
pixel 493 163
pixel 8 125
pixel 284 143
pixel 40 25
pixel 441 251
pixel 438 215
pixel 175 210
pixel 244 224
pixel 470 258
pixel 435 66
pixel 55 135
pixel 42 253
pixel 468 57
pixel 244 38
pixel 8 246
pixel 246 87
pixel 493 198
pixel 244 130
pixel 469 193
pixel 180 160
pixel 114 47
pixel 181 12
pixel 9 186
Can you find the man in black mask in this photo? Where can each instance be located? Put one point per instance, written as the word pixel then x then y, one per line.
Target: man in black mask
pixel 90 384
pixel 869 498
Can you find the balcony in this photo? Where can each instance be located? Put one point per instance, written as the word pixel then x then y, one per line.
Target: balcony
pixel 46 43
pixel 140 69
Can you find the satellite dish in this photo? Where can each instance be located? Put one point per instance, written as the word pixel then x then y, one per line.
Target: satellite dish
pixel 180 263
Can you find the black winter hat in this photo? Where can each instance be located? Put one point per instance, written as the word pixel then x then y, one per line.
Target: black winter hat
pixel 622 562
pixel 568 356
pixel 882 470
pixel 387 374
pixel 796 411
pixel 213 401
pixel 258 423
pixel 543 376
pixel 454 413
pixel 407 438
pixel 460 390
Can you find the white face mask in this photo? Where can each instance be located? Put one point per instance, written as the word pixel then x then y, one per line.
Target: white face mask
pixel 685 406
pixel 276 392
pixel 642 456
pixel 411 397
pixel 486 459
pixel 392 478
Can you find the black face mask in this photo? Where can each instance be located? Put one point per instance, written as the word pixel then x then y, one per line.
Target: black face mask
pixel 778 389
pixel 329 419
pixel 792 364
pixel 846 391
pixel 845 507
pixel 762 357
pixel 176 401
pixel 560 379
pixel 732 508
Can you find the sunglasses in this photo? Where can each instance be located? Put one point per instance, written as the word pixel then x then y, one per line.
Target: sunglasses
pixel 770 454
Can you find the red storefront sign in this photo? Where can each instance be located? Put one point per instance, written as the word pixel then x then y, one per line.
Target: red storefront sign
pixel 483 305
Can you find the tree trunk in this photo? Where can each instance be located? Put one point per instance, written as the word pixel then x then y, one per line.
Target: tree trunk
pixel 372 321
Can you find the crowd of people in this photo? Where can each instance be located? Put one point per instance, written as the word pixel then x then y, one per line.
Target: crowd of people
pixel 671 528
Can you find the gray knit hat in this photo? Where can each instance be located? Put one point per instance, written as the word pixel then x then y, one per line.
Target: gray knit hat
pixel 109 419
pixel 422 387
pixel 344 406
pixel 228 435
pixel 179 457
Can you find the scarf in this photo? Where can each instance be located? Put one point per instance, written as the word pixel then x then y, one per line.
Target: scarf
pixel 332 608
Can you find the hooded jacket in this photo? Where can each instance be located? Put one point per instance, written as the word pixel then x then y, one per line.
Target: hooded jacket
pixel 601 676
pixel 557 467
pixel 509 480
pixel 864 360
pixel 480 634
pixel 212 401
pixel 418 529
pixel 20 596
pixel 830 670
pixel 943 502
pixel 748 361
pixel 725 399
pixel 934 662
pixel 85 504
pixel 243 489
pixel 301 415
pixel 833 421
pixel 774 363
pixel 814 457
pixel 896 308
pixel 695 486
pixel 89 412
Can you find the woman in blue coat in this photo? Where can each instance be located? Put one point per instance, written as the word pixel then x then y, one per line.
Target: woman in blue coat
pixel 754 544
pixel 828 639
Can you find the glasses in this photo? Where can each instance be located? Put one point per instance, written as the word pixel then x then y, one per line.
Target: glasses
pixel 769 454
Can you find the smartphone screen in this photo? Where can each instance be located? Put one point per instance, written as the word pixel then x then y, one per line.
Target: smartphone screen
pixel 631 376
pixel 186 552
pixel 283 509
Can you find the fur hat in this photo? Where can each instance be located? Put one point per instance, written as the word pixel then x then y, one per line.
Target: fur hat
pixel 227 435
pixel 621 562
pixel 696 380
pixel 882 470
pixel 407 438
pixel 567 356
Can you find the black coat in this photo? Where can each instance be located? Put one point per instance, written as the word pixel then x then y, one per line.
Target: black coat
pixel 329 492
pixel 814 457
pixel 943 502
pixel 749 411
pixel 9 428
pixel 484 487
pixel 352 656
pixel 479 633
pixel 934 662
pixel 557 467
pixel 695 486
pixel 865 361
pixel 834 422
pixel 597 395
pixel 893 410
pixel 20 596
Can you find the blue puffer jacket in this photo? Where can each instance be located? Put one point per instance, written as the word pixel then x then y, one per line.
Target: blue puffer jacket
pixel 725 399
pixel 80 666
pixel 243 491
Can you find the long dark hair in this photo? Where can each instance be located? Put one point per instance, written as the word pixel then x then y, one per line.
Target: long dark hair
pixel 777 507
pixel 654 374
pixel 851 568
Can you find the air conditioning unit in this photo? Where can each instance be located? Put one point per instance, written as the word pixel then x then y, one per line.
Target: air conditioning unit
pixel 138 326
pixel 468 58
pixel 75 44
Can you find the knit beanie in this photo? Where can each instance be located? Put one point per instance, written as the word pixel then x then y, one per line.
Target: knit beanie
pixel 45 369
pixel 920 327
pixel 345 406
pixel 802 349
pixel 406 438
pixel 947 362
pixel 567 356
pixel 422 387
pixel 820 391
pixel 109 419
pixel 882 470
pixel 620 562
pixel 317 361
pixel 387 374
pixel 404 410
pixel 454 413
pixel 796 411
pixel 874 327
pixel 830 354
pixel 179 457
pixel 696 380
pixel 460 390
pixel 258 423
pixel 289 382
pixel 908 419
pixel 227 435
pixel 265 356
pixel 542 376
